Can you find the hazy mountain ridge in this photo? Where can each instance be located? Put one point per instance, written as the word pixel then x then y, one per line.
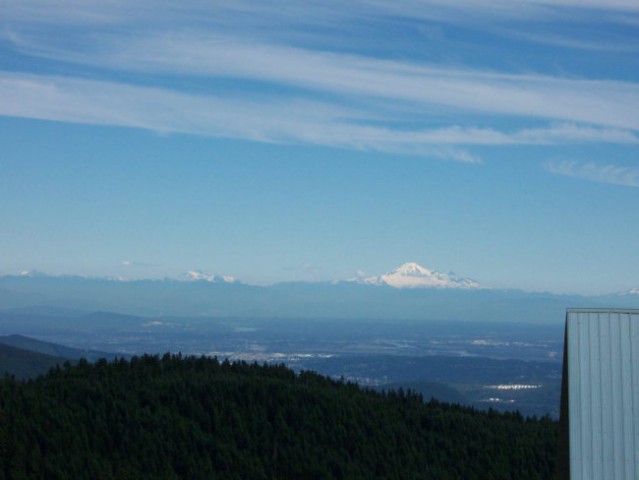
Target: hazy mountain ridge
pixel 345 299
pixel 26 357
pixel 23 363
pixel 54 350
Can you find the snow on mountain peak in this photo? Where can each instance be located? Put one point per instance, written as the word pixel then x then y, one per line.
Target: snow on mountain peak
pixel 412 268
pixel 33 273
pixel 197 276
pixel 634 291
pixel 413 275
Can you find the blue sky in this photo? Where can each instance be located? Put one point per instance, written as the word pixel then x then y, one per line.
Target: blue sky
pixel 311 140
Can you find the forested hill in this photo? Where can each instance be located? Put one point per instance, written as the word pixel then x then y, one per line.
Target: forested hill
pixel 187 417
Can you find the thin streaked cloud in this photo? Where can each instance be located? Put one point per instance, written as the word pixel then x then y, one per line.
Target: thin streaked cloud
pixel 610 45
pixel 263 119
pixel 247 82
pixel 609 103
pixel 136 264
pixel 596 172
pixel 67 11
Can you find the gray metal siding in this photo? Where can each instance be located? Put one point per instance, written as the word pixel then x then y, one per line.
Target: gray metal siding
pixel 603 393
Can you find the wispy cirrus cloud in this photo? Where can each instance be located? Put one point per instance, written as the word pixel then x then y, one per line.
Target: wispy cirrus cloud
pixel 263 118
pixel 136 264
pixel 258 119
pixel 564 41
pixel 318 21
pixel 67 11
pixel 308 94
pixel 595 172
pixel 609 103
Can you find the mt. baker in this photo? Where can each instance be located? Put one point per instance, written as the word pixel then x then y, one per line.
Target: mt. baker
pixel 413 275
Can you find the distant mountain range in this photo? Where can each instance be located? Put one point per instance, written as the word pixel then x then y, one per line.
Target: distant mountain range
pixel 407 275
pixel 408 292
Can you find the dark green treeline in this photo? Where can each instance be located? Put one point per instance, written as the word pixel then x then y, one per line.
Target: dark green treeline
pixel 189 417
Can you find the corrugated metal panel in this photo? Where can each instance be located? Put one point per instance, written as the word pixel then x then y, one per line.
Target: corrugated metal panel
pixel 603 393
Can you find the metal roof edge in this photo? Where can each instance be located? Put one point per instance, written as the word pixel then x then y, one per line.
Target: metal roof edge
pixel 603 310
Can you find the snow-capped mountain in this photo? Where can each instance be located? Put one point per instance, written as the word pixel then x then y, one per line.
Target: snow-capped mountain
pixel 634 291
pixel 197 276
pixel 413 275
pixel 33 274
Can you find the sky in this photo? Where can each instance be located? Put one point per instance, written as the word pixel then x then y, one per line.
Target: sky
pixel 309 141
